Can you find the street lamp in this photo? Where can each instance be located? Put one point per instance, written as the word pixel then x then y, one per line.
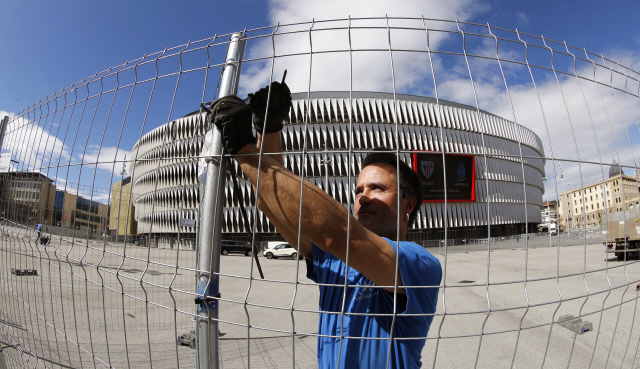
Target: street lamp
pixel 566 196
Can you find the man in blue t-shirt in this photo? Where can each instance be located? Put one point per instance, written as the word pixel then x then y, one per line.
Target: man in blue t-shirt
pixel 381 305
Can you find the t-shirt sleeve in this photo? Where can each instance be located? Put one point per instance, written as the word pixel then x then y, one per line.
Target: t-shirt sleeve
pixel 311 271
pixel 313 266
pixel 418 268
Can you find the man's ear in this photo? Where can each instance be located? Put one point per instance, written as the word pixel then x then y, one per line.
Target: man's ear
pixel 409 204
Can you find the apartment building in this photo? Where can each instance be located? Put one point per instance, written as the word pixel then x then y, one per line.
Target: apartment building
pixel 122 220
pixel 26 197
pixel 586 207
pixel 548 213
pixel 77 212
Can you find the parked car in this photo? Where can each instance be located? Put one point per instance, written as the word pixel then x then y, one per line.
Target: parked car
pixel 229 247
pixel 282 250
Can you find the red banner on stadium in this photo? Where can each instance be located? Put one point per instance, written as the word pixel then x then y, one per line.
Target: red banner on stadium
pixel 460 176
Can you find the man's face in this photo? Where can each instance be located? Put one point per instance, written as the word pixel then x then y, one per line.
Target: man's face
pixel 376 200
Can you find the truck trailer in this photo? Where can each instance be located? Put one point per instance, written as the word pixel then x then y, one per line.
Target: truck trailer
pixel 621 233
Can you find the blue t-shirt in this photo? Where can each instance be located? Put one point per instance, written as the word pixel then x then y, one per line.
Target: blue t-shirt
pixel 417 268
pixel 39 227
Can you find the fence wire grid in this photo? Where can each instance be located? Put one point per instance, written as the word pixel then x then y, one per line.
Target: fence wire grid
pixel 100 200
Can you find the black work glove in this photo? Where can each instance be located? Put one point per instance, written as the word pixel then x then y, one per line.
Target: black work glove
pixel 279 105
pixel 233 118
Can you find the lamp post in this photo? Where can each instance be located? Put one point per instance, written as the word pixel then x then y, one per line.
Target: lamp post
pixel 571 220
pixel 123 172
pixel 566 197
pixel 544 209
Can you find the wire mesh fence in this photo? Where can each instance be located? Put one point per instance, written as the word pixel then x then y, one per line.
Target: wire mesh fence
pixel 101 199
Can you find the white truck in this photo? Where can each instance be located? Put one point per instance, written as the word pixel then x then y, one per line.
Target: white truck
pixel 621 233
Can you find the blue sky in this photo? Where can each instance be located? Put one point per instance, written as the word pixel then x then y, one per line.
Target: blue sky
pixel 49 45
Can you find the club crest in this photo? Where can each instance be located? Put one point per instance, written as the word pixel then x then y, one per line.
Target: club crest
pixel 427 168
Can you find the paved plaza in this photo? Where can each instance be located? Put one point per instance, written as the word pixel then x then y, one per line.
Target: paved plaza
pixel 107 305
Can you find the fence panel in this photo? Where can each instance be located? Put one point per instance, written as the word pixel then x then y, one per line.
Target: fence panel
pixel 100 203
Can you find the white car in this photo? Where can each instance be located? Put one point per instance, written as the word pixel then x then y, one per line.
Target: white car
pixel 282 250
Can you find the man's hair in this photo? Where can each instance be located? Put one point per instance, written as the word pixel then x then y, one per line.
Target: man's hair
pixel 410 183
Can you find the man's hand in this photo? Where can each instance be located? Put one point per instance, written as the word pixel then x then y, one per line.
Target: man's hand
pixel 279 105
pixel 233 118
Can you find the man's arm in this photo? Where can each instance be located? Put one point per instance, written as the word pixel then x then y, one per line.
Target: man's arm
pixel 271 144
pixel 325 219
pixel 327 223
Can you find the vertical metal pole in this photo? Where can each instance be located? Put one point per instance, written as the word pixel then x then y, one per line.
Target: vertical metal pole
pixel 3 128
pixel 211 220
pixel 3 363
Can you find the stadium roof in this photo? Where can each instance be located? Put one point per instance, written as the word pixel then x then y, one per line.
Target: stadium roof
pixel 377 95
pixel 371 95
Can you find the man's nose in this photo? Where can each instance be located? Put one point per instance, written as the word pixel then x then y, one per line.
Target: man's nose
pixel 364 197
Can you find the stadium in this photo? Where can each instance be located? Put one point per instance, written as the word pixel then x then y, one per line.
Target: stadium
pixel 165 167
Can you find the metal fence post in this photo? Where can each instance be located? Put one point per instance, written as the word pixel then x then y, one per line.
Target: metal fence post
pixel 211 221
pixel 3 128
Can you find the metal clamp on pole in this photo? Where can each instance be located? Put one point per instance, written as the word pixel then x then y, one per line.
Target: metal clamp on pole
pixel 206 300
pixel 211 220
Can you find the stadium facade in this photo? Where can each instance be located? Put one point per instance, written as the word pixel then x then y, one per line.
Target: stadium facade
pixel 509 164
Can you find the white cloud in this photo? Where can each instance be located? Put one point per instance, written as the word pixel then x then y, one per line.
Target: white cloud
pixel 107 158
pixel 288 12
pixel 371 69
pixel 37 149
pixel 523 18
pixel 603 124
pixel 31 145
pixel 585 121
